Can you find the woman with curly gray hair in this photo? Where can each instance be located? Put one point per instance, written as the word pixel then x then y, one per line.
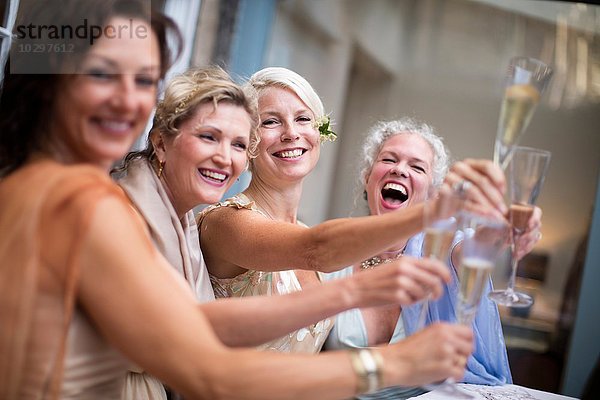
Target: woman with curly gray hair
pixel 383 130
pixel 402 161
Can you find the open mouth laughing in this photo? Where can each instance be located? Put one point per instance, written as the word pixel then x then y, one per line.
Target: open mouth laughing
pixel 394 194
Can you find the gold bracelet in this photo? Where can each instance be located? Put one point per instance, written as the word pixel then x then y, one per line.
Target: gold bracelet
pixel 368 366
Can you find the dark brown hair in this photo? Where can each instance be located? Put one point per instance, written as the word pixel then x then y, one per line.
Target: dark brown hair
pixel 27 100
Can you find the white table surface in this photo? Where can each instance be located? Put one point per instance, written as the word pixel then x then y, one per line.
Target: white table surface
pixel 482 392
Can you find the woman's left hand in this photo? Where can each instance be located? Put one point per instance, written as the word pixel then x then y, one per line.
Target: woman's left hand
pixel 532 234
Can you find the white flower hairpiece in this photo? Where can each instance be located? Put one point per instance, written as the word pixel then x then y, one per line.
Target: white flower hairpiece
pixel 323 124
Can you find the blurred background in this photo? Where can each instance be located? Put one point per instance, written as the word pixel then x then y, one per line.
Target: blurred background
pixel 443 62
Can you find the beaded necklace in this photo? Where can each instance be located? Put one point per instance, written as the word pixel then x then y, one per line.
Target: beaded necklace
pixel 375 261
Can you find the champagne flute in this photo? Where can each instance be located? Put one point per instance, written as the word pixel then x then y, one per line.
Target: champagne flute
pixel 526 80
pixel 526 173
pixel 482 241
pixel 438 233
pixel 438 236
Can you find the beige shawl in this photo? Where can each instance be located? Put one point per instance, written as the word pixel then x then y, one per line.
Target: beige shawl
pixel 176 239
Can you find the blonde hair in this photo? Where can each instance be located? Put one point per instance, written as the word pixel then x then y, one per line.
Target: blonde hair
pixel 184 94
pixel 288 79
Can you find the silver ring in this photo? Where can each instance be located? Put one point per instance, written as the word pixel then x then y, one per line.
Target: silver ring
pixel 462 187
pixel 539 236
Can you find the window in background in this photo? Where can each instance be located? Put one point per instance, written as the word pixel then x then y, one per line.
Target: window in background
pixel 8 10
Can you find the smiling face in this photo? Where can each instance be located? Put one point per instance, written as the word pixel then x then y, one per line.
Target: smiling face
pixel 401 174
pixel 207 155
pixel 289 147
pixel 101 111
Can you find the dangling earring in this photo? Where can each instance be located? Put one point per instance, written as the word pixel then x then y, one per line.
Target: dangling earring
pixel 161 166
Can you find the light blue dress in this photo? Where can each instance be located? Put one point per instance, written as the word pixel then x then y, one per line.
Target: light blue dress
pixel 488 365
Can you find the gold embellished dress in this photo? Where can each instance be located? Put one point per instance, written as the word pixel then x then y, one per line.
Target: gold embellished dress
pixel 261 283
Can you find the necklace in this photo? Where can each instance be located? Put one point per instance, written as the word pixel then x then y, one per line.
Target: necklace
pixel 261 209
pixel 375 261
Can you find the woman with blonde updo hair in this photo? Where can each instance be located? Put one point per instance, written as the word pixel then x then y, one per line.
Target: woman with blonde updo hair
pixel 183 95
pixel 175 173
pixel 168 168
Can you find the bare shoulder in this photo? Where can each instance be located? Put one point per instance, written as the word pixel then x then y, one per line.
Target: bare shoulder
pixel 231 216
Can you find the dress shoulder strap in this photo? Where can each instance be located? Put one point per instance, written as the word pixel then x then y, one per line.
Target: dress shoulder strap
pixel 239 202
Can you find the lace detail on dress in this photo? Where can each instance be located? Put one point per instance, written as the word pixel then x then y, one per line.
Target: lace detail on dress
pixel 241 285
pixel 239 201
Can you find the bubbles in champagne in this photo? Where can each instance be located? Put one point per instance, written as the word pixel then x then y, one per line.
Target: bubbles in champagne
pixel 437 242
pixel 474 273
pixel 517 109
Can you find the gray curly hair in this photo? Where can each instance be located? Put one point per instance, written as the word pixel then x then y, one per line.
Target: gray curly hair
pixel 383 130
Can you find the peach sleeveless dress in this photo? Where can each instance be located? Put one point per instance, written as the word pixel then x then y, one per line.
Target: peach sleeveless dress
pixel 48 346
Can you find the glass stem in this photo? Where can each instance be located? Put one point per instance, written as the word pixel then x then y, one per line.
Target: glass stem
pixel 510 290
pixel 423 313
pixel 513 274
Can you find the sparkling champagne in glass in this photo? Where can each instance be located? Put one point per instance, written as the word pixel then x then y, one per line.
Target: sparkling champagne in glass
pixel 526 80
pixel 526 172
pixel 439 222
pixel 438 232
pixel 438 240
pixel 474 273
pixel 483 241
